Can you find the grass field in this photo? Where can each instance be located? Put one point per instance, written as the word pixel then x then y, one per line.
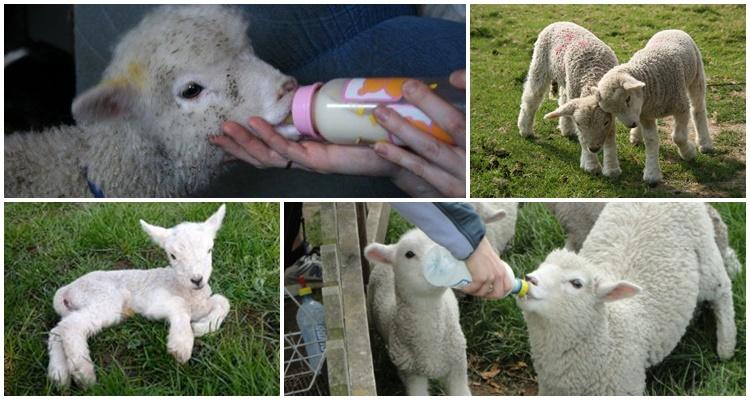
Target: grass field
pixel 498 349
pixel 504 164
pixel 48 245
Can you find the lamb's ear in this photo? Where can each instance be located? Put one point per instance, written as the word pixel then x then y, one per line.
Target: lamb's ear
pixel 104 101
pixel 214 221
pixel 380 253
pixel 496 216
pixel 613 291
pixel 157 233
pixel 630 83
pixel 566 109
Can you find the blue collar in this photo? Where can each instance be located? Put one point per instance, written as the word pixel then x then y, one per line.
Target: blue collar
pixel 95 190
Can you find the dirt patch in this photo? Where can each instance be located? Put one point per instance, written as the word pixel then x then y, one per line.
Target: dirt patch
pixel 507 379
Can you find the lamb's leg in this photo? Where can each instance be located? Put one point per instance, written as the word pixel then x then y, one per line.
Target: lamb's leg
pixel 589 161
pixel 57 371
pixel 697 94
pixel 71 334
pixel 611 162
pixel 651 172
pixel 415 385
pixel 567 124
pixel 636 136
pixel 537 83
pixel 212 321
pixel 457 383
pixel 726 330
pixel 685 148
pixel 162 305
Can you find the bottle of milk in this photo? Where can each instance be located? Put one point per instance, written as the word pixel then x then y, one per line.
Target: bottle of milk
pixel 340 111
pixel 441 269
pixel 311 317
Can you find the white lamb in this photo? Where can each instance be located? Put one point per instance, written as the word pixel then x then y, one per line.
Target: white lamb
pixel 143 131
pixel 500 222
pixel 179 294
pixel 664 78
pixel 418 322
pixel 572 59
pixel 598 319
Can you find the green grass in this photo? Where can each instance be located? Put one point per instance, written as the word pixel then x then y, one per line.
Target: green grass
pixel 48 245
pixel 497 339
pixel 503 164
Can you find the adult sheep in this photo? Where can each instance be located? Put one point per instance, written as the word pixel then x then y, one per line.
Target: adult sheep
pixel 598 319
pixel 664 78
pixel 573 59
pixel 143 131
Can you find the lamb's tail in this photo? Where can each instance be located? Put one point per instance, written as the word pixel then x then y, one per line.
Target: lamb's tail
pixel 61 303
pixel 731 262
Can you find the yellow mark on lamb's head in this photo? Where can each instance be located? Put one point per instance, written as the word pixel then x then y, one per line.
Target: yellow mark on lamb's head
pixel 134 76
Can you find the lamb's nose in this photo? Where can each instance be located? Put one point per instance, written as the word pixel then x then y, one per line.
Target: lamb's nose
pixel 634 124
pixel 197 279
pixel 594 149
pixel 288 86
pixel 532 280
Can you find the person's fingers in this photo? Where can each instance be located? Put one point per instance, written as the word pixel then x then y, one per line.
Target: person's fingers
pixel 413 185
pixel 474 288
pixel 448 117
pixel 420 142
pixel 458 79
pixel 231 147
pixel 270 137
pixel 254 147
pixel 444 182
pixel 498 288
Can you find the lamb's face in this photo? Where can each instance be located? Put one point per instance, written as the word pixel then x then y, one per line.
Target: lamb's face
pixel 566 287
pixel 594 124
pixel 405 257
pixel 621 95
pixel 189 248
pixel 182 73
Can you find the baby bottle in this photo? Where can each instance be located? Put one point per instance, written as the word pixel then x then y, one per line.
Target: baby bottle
pixel 340 111
pixel 441 269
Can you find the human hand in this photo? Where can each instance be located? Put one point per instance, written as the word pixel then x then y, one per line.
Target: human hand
pixel 441 165
pixel 489 277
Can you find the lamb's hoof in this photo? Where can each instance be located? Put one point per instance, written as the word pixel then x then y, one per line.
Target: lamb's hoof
pixel 59 377
pixel 527 134
pixel 180 349
pixel 613 173
pixel 652 179
pixel 689 153
pixel 593 169
pixel 725 350
pixel 706 149
pixel 84 376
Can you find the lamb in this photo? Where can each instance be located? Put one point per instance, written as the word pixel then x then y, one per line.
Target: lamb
pixel 598 319
pixel 500 221
pixel 418 322
pixel 143 131
pixel 179 294
pixel 664 78
pixel 572 59
pixel 576 219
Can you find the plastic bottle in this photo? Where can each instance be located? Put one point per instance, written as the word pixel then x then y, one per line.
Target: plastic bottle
pixel 442 270
pixel 311 319
pixel 340 111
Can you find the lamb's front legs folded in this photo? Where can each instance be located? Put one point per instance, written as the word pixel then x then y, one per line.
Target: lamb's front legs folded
pixel 212 321
pixel 175 310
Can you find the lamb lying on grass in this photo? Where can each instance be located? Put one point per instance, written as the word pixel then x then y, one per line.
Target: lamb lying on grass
pixel 179 294
pixel 664 78
pixel 598 319
pixel 143 131
pixel 418 322
pixel 573 59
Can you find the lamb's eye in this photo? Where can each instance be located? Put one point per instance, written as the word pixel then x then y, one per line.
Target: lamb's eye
pixel 576 283
pixel 172 255
pixel 627 101
pixel 191 91
pixel 409 254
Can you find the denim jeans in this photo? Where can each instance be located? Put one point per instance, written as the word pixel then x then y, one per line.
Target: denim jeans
pixel 312 43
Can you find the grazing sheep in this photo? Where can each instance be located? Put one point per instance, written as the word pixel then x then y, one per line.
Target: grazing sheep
pixel 572 60
pixel 179 294
pixel 418 322
pixel 143 131
pixel 576 219
pixel 598 319
pixel 664 78
pixel 500 221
